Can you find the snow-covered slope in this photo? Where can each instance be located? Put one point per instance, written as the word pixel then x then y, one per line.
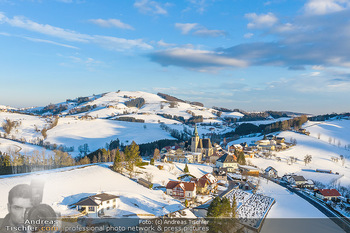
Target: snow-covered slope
pixel 321 152
pixel 336 132
pixel 64 187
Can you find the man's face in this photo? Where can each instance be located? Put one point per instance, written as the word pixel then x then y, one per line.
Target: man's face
pixel 18 208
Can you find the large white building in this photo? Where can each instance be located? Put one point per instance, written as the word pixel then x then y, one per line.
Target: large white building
pixel 96 205
pixel 228 162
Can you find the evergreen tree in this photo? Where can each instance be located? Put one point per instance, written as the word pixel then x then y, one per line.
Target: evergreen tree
pixel 186 170
pixel 132 152
pixel 132 155
pixel 156 154
pixel 214 208
pixel 94 160
pixel 117 165
pixel 240 157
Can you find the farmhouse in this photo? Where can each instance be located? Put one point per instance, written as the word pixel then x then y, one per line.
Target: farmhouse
pixel 266 144
pixel 299 181
pixel 227 161
pixel 279 140
pixel 181 189
pixel 327 194
pixel 206 184
pixel 248 170
pixel 96 205
pixel 271 172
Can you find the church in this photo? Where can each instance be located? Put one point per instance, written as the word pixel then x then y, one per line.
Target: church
pixel 199 145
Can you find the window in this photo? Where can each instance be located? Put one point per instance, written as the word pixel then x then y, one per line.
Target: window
pixel 107 208
pixel 107 202
pixel 91 208
pixel 114 200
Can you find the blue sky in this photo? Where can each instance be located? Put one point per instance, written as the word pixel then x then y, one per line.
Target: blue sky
pixel 249 54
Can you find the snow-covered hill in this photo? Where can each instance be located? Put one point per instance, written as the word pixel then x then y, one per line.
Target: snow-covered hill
pixel 66 186
pixel 322 153
pixel 113 104
pixel 98 119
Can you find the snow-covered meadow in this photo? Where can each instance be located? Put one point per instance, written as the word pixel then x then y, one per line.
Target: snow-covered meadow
pixel 322 153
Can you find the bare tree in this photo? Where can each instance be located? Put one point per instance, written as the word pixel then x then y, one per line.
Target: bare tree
pixel 307 159
pixel 149 177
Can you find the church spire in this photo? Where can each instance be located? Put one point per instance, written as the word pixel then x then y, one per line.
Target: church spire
pixel 195 131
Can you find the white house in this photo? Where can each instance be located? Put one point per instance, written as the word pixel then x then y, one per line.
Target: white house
pixel 227 161
pixel 271 172
pixel 96 205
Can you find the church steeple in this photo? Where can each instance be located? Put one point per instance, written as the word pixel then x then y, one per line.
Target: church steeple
pixel 195 140
pixel 195 132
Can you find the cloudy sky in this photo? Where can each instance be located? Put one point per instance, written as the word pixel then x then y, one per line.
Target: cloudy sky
pixel 250 54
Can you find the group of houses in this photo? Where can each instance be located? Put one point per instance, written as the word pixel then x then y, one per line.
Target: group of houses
pixel 300 182
pixel 188 190
pixel 271 143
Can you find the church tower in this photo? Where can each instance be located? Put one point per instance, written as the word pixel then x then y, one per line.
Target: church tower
pixel 195 140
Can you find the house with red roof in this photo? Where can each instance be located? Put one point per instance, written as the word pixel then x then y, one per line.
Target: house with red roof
pixel 206 184
pixel 327 194
pixel 180 189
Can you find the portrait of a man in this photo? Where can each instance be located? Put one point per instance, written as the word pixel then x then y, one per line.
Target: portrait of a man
pixel 19 201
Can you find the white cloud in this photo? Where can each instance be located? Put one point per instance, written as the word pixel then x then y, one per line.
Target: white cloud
pixel 287 27
pixel 248 35
pixel 161 43
pixel 261 21
pixel 199 60
pixel 120 44
pixel 46 29
pixel 198 30
pixel 200 5
pixel 207 32
pixel 5 34
pixel 113 43
pixel 2 17
pixel 49 42
pixel 318 67
pixel 111 23
pixel 153 7
pixel 185 28
pixel 322 7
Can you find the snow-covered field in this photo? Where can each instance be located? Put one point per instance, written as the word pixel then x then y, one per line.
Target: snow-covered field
pixel 67 186
pixel 291 213
pixel 337 131
pixel 321 152
pixel 96 133
pixel 7 145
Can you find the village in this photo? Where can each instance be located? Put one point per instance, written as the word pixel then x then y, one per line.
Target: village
pixel 229 176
